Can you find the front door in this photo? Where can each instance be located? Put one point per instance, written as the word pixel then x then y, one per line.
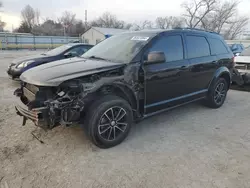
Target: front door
pixel 166 84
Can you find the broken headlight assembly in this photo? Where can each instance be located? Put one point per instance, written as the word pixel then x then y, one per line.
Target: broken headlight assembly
pixel 74 87
pixel 68 103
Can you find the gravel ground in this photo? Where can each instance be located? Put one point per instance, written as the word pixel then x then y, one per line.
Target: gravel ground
pixel 189 147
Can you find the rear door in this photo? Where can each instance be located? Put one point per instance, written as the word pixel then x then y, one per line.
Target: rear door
pixel 222 52
pixel 166 82
pixel 202 63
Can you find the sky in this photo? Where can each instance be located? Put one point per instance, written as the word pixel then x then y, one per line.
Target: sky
pixel 127 10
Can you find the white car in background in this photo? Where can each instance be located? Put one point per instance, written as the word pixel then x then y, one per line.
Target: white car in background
pixel 241 71
pixel 242 61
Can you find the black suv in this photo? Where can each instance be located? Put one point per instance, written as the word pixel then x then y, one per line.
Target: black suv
pixel 126 78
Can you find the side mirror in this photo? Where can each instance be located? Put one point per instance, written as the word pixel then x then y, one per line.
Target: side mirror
pixel 156 57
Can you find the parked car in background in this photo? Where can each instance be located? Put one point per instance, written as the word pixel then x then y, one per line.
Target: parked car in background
pixel 125 78
pixel 22 64
pixel 243 59
pixel 236 48
pixel 74 41
pixel 241 72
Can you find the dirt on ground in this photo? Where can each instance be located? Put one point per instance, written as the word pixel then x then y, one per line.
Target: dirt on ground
pixel 188 147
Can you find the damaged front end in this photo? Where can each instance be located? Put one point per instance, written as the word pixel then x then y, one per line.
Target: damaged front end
pixel 67 103
pixel 49 107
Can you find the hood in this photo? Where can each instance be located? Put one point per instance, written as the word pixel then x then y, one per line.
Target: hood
pixel 27 58
pixel 242 59
pixel 54 73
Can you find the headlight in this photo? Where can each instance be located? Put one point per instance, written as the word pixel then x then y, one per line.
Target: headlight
pixel 25 64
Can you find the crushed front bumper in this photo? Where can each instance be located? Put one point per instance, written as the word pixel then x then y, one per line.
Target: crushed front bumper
pixel 37 115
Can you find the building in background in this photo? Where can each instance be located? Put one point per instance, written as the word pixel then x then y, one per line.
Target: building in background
pixel 96 34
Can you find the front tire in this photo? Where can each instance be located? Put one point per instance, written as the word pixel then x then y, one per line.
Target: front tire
pixel 109 121
pixel 217 93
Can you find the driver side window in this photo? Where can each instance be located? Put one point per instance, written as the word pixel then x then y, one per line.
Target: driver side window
pixel 171 46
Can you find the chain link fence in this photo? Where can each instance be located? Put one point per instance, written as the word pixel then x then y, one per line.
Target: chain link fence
pixel 10 41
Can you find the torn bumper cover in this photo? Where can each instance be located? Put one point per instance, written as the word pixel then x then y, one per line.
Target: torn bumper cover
pixel 36 115
pixel 241 77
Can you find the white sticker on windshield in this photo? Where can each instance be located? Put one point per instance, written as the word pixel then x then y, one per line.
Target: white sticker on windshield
pixel 140 38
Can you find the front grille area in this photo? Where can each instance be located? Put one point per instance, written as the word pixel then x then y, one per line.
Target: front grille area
pixel 29 94
pixel 32 88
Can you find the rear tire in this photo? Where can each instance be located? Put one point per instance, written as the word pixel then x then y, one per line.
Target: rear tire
pixel 108 121
pixel 217 93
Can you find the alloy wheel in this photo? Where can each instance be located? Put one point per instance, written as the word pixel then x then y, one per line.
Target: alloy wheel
pixel 113 123
pixel 220 93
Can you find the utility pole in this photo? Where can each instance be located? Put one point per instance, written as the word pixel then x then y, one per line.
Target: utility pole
pixel 86 18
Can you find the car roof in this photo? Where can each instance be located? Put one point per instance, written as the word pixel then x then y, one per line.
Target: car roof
pixel 178 30
pixel 79 44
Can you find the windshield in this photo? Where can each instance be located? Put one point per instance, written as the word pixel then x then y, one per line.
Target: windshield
pixel 120 48
pixel 246 52
pixel 58 50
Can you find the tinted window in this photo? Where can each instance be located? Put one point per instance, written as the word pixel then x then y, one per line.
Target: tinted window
pixel 217 47
pixel 171 46
pixel 58 50
pixel 197 47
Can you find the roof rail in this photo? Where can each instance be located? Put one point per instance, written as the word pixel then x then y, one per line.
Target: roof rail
pixel 196 29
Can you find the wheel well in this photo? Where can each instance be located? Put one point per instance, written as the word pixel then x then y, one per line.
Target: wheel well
pixel 121 91
pixel 227 78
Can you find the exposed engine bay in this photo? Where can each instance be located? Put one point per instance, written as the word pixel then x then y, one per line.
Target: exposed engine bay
pixel 65 104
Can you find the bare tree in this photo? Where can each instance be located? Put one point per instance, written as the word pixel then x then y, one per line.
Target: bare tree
pixel 195 11
pixel 28 16
pixel 48 27
pixel 236 27
pixel 162 23
pixel 222 15
pixel 110 21
pixel 217 16
pixel 67 20
pixel 169 22
pixel 2 24
pixel 146 24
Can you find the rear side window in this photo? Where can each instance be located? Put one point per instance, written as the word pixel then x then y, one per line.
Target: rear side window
pixel 197 46
pixel 171 46
pixel 217 47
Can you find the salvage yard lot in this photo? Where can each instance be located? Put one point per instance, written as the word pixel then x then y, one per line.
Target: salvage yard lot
pixel 191 146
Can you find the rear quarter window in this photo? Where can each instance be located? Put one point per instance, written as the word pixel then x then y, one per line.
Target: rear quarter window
pixel 197 46
pixel 217 46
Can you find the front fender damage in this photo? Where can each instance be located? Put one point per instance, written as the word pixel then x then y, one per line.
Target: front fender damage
pixel 70 107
